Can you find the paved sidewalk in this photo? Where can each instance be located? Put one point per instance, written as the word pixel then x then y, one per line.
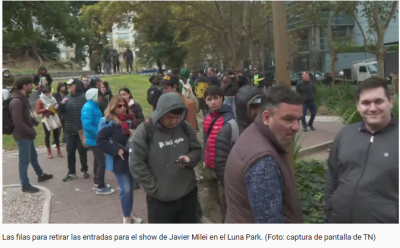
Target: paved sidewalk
pixel 76 202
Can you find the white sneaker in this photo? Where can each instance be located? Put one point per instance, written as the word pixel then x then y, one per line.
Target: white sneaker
pixel 126 220
pixel 136 220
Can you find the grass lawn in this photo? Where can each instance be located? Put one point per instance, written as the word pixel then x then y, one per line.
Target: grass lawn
pixel 137 84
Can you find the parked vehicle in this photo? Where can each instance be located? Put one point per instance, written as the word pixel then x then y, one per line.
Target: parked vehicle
pixel 363 69
pixel 294 78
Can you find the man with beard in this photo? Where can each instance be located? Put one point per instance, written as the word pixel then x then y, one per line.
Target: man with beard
pixel 248 102
pixel 24 133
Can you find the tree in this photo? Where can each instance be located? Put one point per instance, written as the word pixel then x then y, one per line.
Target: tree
pixel 379 14
pixel 26 22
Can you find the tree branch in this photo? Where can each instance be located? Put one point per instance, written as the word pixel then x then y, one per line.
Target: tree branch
pixel 392 12
pixel 363 34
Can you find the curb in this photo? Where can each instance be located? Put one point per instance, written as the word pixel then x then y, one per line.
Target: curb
pixel 314 149
pixel 46 204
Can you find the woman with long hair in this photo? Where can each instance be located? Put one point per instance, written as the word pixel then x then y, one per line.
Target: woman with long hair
pixel 47 106
pixel 134 107
pixel 113 137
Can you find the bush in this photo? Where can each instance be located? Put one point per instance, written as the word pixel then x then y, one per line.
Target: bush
pixel 310 183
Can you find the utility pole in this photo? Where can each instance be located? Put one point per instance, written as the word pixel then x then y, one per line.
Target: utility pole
pixel 282 63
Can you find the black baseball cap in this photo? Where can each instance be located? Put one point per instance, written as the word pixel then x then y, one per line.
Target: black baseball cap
pixel 170 79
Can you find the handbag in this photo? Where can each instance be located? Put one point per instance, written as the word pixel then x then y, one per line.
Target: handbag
pixel 52 122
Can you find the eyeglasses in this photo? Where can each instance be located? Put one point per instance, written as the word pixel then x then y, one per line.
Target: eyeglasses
pixel 121 105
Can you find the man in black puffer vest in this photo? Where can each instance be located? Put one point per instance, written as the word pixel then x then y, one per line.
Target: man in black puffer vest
pixel 71 107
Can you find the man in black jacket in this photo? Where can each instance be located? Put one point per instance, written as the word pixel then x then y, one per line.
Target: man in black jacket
pixel 248 102
pixel 306 88
pixel 362 181
pixel 71 107
pixel 128 57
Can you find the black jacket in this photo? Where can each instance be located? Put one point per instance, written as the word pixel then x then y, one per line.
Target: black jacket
pixel 71 110
pixel 103 141
pixel 223 143
pixel 306 90
pixel 362 181
pixel 137 112
pixel 37 77
pixel 231 88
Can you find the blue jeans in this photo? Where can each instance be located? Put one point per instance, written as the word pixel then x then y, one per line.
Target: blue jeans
pixel 230 100
pixel 313 110
pixel 27 154
pixel 126 192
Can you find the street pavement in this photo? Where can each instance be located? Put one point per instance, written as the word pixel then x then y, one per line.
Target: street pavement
pixel 76 202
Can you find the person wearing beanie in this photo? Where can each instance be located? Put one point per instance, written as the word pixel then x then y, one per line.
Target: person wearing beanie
pixel 90 118
pixel 71 107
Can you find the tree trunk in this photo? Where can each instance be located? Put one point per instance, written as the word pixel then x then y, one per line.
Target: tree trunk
pixel 254 53
pixel 34 50
pixel 331 44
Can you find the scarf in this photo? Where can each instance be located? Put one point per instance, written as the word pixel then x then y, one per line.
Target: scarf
pixel 127 122
pixel 47 100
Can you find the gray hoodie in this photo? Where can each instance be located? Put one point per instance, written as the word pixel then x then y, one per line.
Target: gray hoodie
pixel 153 165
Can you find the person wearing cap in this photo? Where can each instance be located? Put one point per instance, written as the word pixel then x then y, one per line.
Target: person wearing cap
pixel 306 88
pixel 71 107
pixel 170 83
pixel 248 102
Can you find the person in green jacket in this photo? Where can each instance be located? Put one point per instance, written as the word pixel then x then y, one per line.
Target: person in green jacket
pixel 184 77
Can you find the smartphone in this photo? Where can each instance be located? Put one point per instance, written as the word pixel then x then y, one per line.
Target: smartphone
pixel 181 161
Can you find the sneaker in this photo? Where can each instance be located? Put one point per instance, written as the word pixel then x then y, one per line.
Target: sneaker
pixel 312 128
pixel 54 146
pixel 106 186
pixel 30 189
pixel 44 177
pixel 304 129
pixel 85 175
pixel 126 220
pixel 104 191
pixel 69 177
pixel 136 220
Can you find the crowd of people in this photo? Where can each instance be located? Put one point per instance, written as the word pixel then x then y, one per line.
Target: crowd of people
pixel 249 123
pixel 110 61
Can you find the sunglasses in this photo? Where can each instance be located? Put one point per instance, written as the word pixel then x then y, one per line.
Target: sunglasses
pixel 121 105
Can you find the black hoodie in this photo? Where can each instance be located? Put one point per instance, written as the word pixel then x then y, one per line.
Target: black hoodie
pixel 244 97
pixel 37 77
pixel 71 110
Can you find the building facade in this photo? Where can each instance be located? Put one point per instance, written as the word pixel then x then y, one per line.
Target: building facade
pixel 313 50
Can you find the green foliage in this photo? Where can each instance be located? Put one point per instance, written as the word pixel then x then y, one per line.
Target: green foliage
pixel 310 183
pixel 48 48
pixel 297 145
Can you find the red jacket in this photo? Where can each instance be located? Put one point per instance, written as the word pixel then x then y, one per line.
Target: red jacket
pixel 210 138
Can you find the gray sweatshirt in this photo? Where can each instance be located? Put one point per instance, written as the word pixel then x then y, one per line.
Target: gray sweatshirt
pixel 154 166
pixel 362 184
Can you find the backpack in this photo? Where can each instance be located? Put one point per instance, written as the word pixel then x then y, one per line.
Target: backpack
pixel 235 131
pixel 187 90
pixel 8 124
pixel 201 88
pixel 43 81
pixel 149 127
pixel 153 94
pixel 188 93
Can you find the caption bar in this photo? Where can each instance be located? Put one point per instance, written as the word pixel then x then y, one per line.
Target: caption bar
pixel 198 237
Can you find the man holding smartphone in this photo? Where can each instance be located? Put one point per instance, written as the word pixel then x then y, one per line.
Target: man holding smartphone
pixel 163 155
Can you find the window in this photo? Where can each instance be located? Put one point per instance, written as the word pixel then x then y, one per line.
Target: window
pixel 122 28
pixel 362 69
pixel 372 68
pixel 123 36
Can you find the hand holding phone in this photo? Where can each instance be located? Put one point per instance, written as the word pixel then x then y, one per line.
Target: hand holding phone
pixel 183 161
